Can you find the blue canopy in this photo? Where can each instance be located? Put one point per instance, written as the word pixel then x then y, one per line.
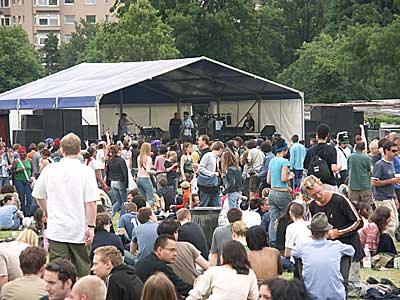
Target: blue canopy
pixel 191 80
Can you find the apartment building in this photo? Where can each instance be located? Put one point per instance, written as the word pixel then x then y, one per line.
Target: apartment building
pixel 40 17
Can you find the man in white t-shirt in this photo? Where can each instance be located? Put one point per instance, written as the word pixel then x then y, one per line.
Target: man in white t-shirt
pixel 343 152
pixel 250 216
pixel 297 233
pixel 67 192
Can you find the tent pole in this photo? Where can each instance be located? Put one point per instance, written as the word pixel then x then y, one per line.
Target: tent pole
pixel 18 114
pixel 98 116
pixel 150 115
pixel 218 104
pixel 178 108
pixel 259 112
pixel 121 102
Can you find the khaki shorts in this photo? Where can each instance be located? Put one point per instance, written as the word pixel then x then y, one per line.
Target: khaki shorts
pixel 76 253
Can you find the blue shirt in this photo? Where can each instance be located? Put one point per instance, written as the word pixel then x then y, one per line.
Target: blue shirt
pixel 129 222
pixel 396 164
pixel 321 268
pixel 145 236
pixel 7 213
pixel 383 170
pixel 275 169
pixel 297 156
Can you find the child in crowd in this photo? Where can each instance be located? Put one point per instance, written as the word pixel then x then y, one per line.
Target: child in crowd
pixel 185 185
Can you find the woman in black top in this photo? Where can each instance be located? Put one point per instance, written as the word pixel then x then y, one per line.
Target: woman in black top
pixel 117 172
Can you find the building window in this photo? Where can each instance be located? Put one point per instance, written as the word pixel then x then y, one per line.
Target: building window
pixel 91 19
pixel 90 2
pixel 47 2
pixel 4 3
pixel 48 20
pixel 6 21
pixel 106 18
pixel 106 1
pixel 67 38
pixel 14 20
pixel 69 2
pixel 40 38
pixel 69 19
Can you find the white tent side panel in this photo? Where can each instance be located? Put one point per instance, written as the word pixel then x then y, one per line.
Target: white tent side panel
pixel 285 115
pixel 156 115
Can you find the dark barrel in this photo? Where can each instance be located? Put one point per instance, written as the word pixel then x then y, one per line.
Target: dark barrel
pixel 207 218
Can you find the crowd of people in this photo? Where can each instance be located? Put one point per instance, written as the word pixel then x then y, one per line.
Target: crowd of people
pixel 321 212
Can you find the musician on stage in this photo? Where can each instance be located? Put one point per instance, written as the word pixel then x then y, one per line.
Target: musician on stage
pixel 248 125
pixel 187 126
pixel 123 124
pixel 175 126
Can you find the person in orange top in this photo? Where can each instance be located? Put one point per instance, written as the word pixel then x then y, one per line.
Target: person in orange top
pixel 32 150
pixel 185 185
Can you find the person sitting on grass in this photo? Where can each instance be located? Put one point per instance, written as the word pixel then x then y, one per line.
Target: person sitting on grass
pixel 374 235
pixel 10 215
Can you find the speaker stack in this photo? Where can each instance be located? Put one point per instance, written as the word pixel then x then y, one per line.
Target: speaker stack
pixel 45 123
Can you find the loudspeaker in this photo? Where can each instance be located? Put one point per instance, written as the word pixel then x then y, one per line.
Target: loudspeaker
pixel 31 122
pixel 72 121
pixel 311 126
pixel 90 132
pixel 268 131
pixel 336 117
pixel 25 137
pixel 52 120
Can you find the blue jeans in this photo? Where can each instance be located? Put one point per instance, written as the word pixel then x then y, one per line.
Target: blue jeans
pixel 209 199
pixel 277 202
pixel 297 178
pixel 4 181
pixel 119 191
pixel 25 196
pixel 233 199
pixel 145 187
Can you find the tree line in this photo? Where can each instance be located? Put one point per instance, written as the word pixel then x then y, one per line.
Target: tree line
pixel 332 50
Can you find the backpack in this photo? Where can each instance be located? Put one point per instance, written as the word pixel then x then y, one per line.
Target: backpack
pixel 319 168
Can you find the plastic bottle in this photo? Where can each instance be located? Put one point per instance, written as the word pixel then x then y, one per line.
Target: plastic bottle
pixel 367 258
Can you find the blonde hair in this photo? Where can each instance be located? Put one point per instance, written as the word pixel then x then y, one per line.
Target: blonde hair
pixel 28 236
pixel 91 286
pixel 373 145
pixel 310 181
pixel 71 144
pixel 239 228
pixel 170 153
pixel 145 150
pixel 110 253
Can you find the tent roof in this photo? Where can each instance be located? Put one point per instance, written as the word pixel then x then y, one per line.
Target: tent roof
pixel 198 79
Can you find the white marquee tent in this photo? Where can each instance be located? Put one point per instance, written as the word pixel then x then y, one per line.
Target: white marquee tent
pixel 150 92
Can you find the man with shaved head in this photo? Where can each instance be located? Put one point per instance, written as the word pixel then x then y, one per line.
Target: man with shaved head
pixel 88 288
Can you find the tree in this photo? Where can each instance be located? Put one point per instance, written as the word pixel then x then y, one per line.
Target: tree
pixel 19 62
pixel 303 20
pixel 230 31
pixel 51 54
pixel 138 35
pixel 344 13
pixel 73 52
pixel 361 63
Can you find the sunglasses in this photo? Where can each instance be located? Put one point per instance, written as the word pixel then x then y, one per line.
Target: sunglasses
pixel 394 151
